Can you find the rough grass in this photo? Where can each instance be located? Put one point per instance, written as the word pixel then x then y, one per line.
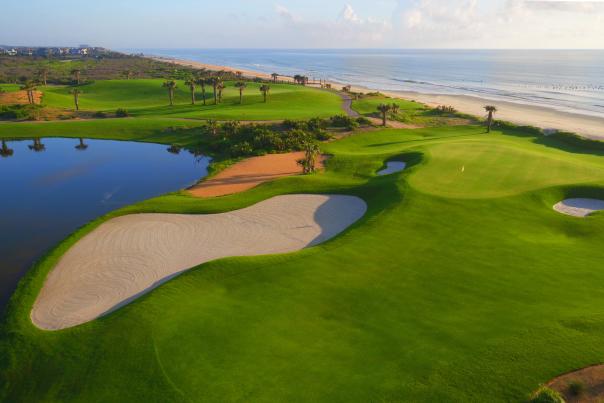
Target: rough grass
pixel 413 113
pixel 148 98
pixel 431 297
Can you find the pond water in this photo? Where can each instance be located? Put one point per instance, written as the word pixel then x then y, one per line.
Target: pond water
pixel 53 186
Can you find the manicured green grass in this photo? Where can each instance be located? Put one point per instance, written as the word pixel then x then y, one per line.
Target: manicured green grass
pixel 450 289
pixel 157 130
pixel 148 98
pixel 9 87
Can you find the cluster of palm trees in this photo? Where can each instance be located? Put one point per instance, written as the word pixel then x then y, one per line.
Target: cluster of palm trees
pixel 216 82
pixel 300 79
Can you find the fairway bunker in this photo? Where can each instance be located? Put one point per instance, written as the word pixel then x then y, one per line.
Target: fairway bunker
pixel 579 207
pixel 129 256
pixel 392 167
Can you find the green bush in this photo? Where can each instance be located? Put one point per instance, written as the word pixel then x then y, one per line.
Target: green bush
pixel 363 121
pixel 547 395
pixel 122 113
pixel 100 115
pixel 576 388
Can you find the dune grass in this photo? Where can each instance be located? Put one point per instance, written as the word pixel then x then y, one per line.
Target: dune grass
pixel 410 112
pixel 146 97
pixel 450 289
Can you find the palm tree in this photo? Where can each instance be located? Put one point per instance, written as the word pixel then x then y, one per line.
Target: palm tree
pixel 265 89
pixel 491 110
pixel 239 74
pixel 202 83
pixel 171 86
pixel 81 146
pixel 76 97
pixel 275 76
pixel 241 86
pixel 308 163
pixel 213 126
pixel 384 109
pixel 29 87
pixel 76 74
pixel 395 108
pixel 220 87
pixel 4 150
pixel 43 73
pixel 191 83
pixel 215 81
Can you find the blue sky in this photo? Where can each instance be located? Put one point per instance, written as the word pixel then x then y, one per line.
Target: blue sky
pixel 306 24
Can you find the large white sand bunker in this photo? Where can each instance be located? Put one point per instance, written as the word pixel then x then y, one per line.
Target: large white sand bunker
pixel 130 255
pixel 392 167
pixel 579 207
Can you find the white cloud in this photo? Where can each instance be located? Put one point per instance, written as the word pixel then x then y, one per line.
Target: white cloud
pixel 508 24
pixel 347 30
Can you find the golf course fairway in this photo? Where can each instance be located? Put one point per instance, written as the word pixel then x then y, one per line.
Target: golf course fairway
pixel 460 283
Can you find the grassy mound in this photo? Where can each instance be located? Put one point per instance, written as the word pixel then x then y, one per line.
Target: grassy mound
pixel 148 98
pixel 450 289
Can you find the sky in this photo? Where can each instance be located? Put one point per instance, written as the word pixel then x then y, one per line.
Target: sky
pixel 121 24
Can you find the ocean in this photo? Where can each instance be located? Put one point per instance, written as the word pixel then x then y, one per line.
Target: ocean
pixel 565 80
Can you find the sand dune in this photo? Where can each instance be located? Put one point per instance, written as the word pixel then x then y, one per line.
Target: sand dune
pixel 130 255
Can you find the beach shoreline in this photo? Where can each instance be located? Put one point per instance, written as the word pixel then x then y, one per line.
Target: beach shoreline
pixel 587 126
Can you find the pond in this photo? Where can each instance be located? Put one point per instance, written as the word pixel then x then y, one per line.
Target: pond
pixel 50 187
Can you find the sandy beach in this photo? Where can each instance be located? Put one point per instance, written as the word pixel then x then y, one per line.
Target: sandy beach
pixel 546 118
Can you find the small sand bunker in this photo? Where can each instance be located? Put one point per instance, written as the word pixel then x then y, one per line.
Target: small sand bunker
pixel 250 173
pixel 392 167
pixel 579 207
pixel 130 255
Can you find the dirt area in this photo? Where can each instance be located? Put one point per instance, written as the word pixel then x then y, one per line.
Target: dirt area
pixel 18 98
pixel 582 386
pixel 249 173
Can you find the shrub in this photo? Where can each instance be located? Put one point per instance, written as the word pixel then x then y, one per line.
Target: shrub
pixel 576 388
pixel 100 115
pixel 363 121
pixel 122 113
pixel 343 121
pixel 546 395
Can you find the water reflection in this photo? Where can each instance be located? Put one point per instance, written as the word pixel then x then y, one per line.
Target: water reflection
pixel 37 146
pixel 81 146
pixel 50 188
pixel 5 151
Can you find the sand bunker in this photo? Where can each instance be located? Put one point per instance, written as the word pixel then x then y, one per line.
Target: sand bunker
pixel 130 255
pixel 249 173
pixel 579 207
pixel 392 167
pixel 591 379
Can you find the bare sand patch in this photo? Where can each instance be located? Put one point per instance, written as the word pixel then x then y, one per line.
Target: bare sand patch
pixel 249 173
pixel 579 207
pixel 590 379
pixel 128 256
pixel 19 98
pixel 392 167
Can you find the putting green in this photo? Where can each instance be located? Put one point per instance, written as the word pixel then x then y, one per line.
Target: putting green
pixel 478 169
pixel 448 289
pixel 148 98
